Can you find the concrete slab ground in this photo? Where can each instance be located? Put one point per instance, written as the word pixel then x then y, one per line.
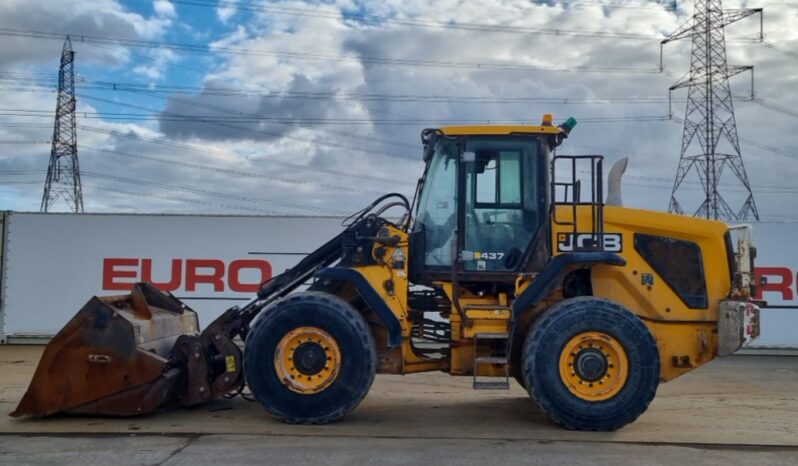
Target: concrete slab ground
pixel 727 411
pixel 347 451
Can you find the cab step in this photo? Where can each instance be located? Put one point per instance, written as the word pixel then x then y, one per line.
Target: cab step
pixel 491 342
pixel 491 336
pixel 491 360
pixel 492 385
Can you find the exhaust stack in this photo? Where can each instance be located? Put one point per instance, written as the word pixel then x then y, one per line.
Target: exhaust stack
pixel 614 182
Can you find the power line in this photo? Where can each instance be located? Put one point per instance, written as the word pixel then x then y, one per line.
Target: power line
pixel 22 141
pixel 227 171
pixel 9 183
pixel 758 145
pixel 22 172
pixel 767 148
pixel 373 60
pixel 419 23
pixel 137 194
pixel 258 131
pixel 771 45
pixel 760 189
pixel 261 159
pixel 184 200
pixel 155 91
pixel 778 108
pixel 248 129
pixel 378 97
pixel 203 192
pixel 123 116
pixel 24 125
pixel 668 5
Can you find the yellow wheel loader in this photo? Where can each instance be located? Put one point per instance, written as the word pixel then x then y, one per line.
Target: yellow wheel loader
pixel 507 264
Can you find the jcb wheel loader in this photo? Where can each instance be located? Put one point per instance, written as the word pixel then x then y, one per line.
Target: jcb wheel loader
pixel 506 264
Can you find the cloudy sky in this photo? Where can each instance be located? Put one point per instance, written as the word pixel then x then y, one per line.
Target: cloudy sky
pixel 305 107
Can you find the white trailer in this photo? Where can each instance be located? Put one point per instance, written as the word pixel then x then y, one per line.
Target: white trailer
pixel 53 263
pixel 776 275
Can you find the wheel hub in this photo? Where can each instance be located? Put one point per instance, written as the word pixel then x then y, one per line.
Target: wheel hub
pixel 310 358
pixel 590 364
pixel 593 366
pixel 307 360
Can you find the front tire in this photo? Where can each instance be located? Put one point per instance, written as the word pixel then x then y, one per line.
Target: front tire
pixel 591 364
pixel 310 359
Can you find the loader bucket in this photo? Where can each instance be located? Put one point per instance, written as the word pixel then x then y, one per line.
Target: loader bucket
pixel 112 357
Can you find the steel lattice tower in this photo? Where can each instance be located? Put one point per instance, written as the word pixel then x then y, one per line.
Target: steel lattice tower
pixel 63 172
pixel 710 144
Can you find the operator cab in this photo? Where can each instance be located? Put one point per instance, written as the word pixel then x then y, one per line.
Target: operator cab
pixel 484 197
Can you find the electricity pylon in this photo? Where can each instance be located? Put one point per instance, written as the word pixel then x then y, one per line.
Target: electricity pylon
pixel 63 172
pixel 710 144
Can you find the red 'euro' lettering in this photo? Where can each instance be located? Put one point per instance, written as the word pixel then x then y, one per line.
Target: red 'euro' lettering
pixel 116 269
pixel 174 281
pixel 240 276
pixel 783 286
pixel 233 275
pixel 214 274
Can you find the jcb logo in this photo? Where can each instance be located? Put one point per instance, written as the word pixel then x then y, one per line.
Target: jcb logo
pixel 570 242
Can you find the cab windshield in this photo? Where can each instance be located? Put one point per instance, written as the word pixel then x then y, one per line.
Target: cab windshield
pixel 437 207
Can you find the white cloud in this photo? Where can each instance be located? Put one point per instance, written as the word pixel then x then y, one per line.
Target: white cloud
pixel 164 8
pixel 340 47
pixel 226 10
pixel 157 66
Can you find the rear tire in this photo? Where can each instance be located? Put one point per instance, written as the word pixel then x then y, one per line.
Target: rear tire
pixel 284 358
pixel 591 364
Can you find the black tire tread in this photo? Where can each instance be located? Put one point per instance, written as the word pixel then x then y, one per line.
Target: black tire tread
pixel 612 312
pixel 362 334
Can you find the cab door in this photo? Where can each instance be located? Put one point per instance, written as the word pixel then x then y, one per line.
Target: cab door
pixel 504 201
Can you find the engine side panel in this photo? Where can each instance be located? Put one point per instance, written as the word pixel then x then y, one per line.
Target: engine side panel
pixel 685 330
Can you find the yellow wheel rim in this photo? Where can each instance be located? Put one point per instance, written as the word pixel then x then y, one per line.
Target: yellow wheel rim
pixel 307 360
pixel 593 365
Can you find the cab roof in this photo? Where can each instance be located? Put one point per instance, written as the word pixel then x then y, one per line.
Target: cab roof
pixel 478 130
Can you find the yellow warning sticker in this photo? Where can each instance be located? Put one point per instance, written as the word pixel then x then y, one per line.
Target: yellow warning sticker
pixel 231 363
